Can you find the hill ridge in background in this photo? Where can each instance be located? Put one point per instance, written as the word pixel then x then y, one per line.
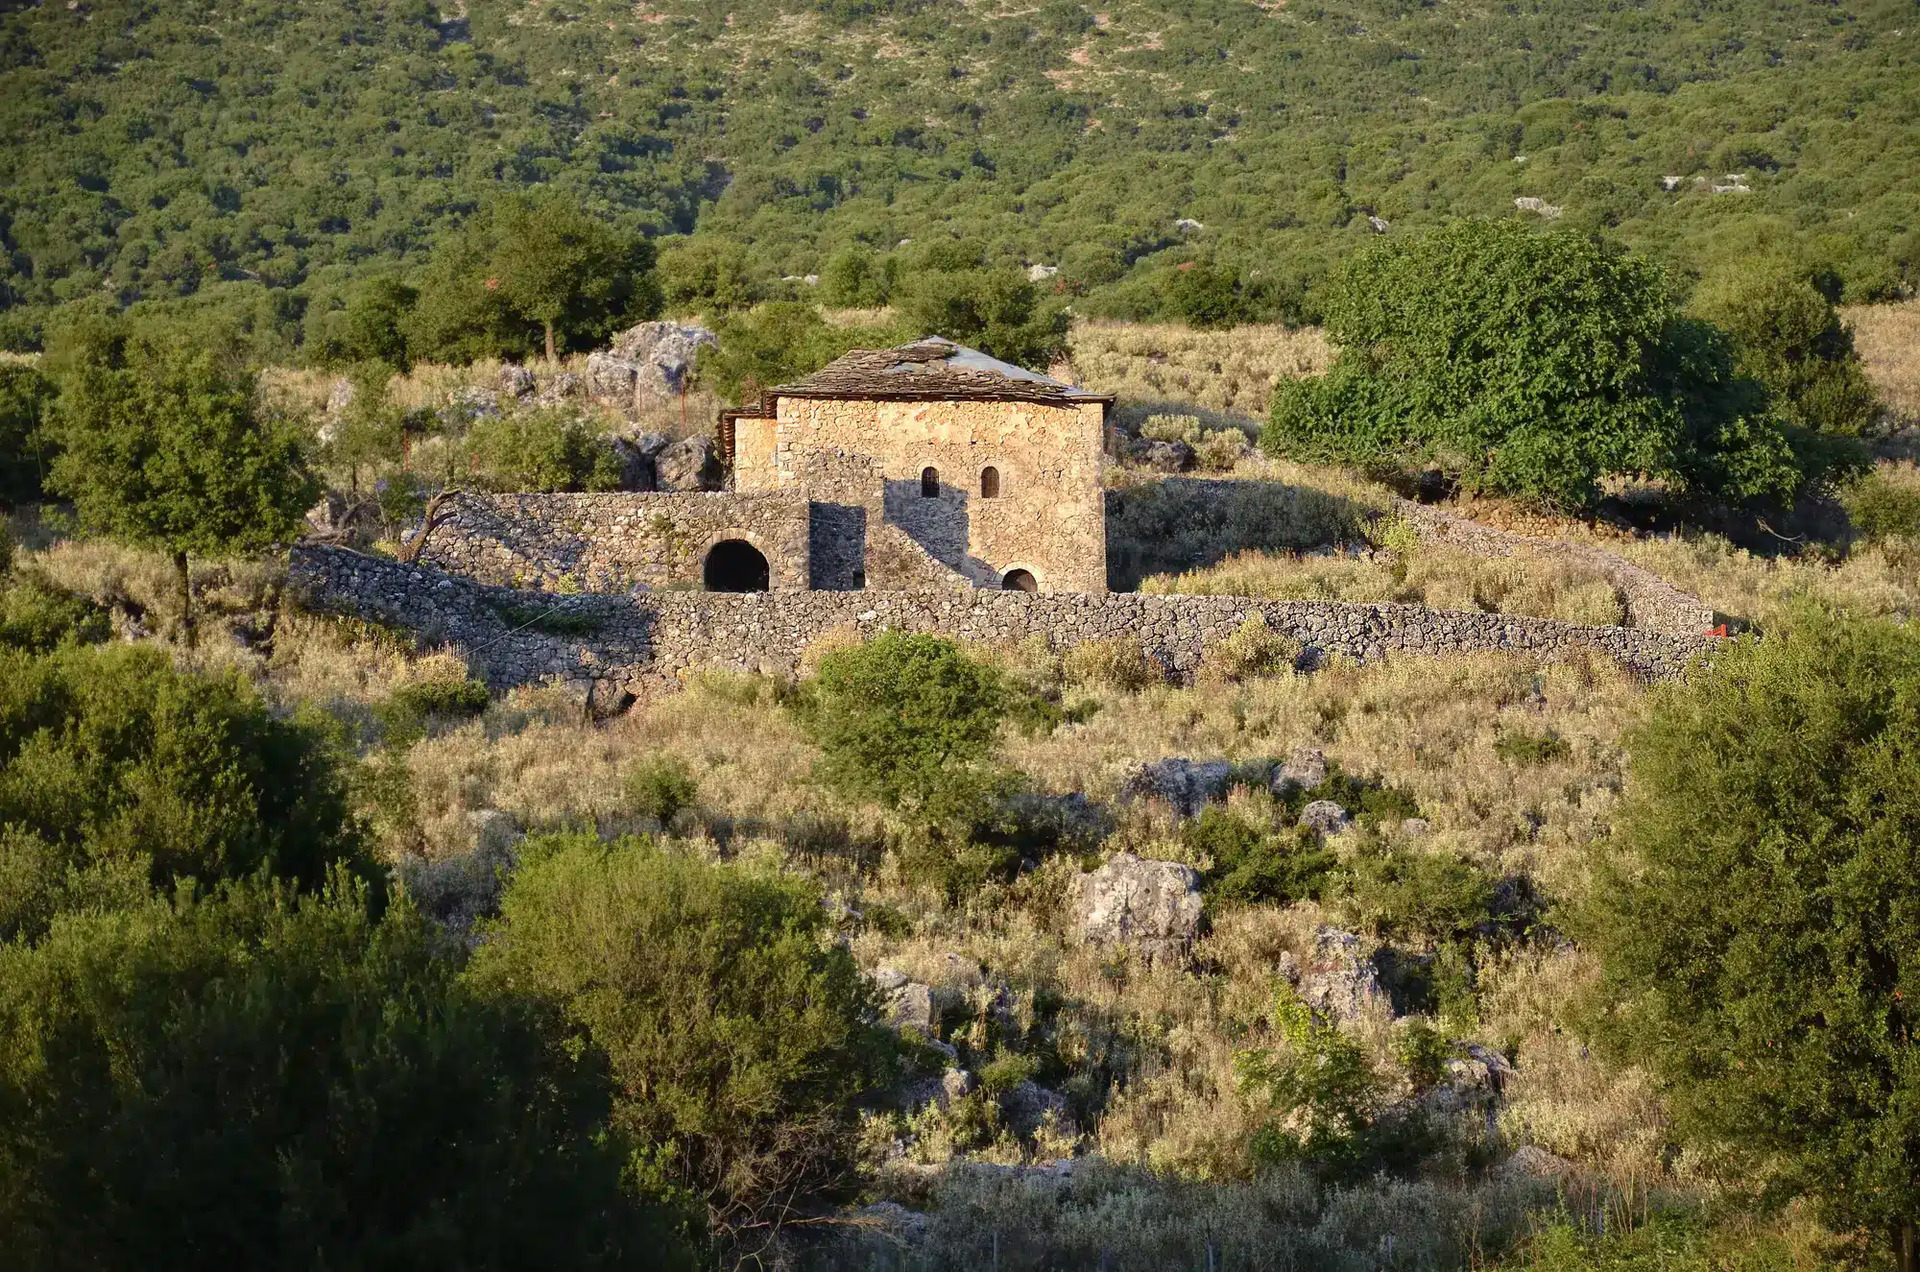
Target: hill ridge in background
pixel 267 156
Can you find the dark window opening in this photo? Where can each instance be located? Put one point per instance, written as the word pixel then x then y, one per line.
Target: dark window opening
pixel 929 483
pixel 734 565
pixel 989 483
pixel 1019 581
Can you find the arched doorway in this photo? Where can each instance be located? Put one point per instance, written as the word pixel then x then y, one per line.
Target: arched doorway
pixel 1019 581
pixel 734 565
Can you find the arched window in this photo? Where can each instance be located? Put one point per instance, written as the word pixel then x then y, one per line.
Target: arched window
pixel 1019 581
pixel 929 483
pixel 989 482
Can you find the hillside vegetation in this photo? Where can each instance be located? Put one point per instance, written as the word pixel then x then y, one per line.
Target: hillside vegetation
pixel 263 158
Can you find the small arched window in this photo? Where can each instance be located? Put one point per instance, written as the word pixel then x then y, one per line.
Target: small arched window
pixel 989 482
pixel 929 483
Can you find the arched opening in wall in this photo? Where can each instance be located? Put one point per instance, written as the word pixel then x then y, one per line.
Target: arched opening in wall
pixel 1019 581
pixel 734 565
pixel 929 483
pixel 989 482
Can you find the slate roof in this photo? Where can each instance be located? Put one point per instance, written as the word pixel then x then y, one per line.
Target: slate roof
pixel 930 369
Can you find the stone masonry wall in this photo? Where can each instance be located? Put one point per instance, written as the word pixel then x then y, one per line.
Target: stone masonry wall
pixel 1048 518
pixel 616 645
pixel 614 542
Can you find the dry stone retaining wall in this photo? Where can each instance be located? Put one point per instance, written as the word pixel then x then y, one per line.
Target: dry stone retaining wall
pixel 614 645
pixel 614 542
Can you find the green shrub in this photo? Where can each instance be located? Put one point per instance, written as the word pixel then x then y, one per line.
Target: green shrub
pixel 109 755
pixel 1259 863
pixel 738 1034
pixel 1399 892
pixel 1423 1052
pixel 1254 650
pixel 1758 914
pixel 1883 508
pixel 544 449
pixel 1534 364
pixel 1318 1083
pixel 442 698
pixel 1116 662
pixel 995 310
pixel 659 786
pixel 247 1079
pixel 907 720
pixel 1522 748
pixel 27 446
pixel 37 617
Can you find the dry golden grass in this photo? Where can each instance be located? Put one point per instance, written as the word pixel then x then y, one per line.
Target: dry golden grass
pixel 1888 339
pixel 1155 367
pixel 1539 584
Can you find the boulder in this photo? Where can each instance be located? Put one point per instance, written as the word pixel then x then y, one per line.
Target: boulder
pixel 469 404
pixel 1338 981
pixel 1325 816
pixel 1187 785
pixel 558 389
pixel 1167 457
pixel 958 1083
pixel 1152 906
pixel 688 464
pixel 1305 769
pixel 636 455
pixel 908 1003
pixel 1027 1106
pixel 647 364
pixel 515 381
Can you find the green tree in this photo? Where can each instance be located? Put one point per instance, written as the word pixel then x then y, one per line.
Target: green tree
pixel 1787 335
pixel 254 1079
pixel 111 759
pixel 1759 917
pixel 566 270
pixel 705 275
pixel 542 449
pixel 26 448
pixel 907 720
pixel 1207 296
pixel 1534 364
pixel 854 278
pixel 997 311
pixel 738 1033
pixel 372 327
pixel 166 448
pixel 779 342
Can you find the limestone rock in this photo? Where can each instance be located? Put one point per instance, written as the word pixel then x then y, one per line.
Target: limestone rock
pixel 1186 784
pixel 1153 906
pixel 646 365
pixel 958 1083
pixel 1338 981
pixel 515 381
pixel 688 464
pixel 1325 816
pixel 1167 457
pixel 1305 769
pixel 558 389
pixel 637 454
pixel 908 1003
pixel 1027 1106
pixel 469 404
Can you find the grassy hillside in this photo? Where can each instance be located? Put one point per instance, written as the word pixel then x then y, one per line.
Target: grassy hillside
pixel 262 155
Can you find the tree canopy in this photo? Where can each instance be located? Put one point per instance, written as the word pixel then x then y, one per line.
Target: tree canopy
pixel 1534 364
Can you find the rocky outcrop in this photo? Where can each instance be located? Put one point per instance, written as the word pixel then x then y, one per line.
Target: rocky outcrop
pixel 1325 816
pixel 690 464
pixel 1184 785
pixel 646 366
pixel 1305 769
pixel 1153 907
pixel 637 455
pixel 1337 980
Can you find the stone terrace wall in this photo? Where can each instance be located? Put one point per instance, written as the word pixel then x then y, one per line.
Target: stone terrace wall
pixel 647 642
pixel 1652 603
pixel 612 542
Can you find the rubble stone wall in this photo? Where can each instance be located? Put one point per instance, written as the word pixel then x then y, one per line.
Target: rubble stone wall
pixel 615 542
pixel 616 645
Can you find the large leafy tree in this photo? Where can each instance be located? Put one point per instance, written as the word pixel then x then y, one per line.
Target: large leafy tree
pixel 738 1033
pixel 165 446
pixel 26 450
pixel 529 273
pixel 993 309
pixel 1535 364
pixel 254 1079
pixel 1759 928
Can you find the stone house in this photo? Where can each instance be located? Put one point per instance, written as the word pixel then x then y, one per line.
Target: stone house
pixel 990 470
pixel 929 465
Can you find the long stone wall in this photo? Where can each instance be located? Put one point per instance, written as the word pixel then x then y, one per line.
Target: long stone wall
pixel 614 542
pixel 615 645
